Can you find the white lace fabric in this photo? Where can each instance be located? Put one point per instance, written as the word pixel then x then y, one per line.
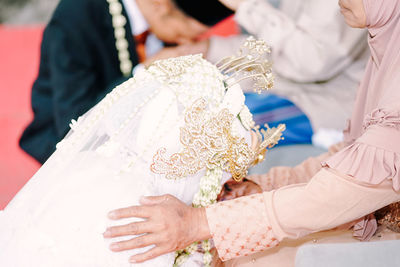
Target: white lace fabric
pixel 59 216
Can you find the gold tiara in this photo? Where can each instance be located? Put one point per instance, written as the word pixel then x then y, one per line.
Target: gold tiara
pixel 250 63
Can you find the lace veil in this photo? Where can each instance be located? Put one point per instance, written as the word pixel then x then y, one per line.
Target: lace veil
pixel 179 127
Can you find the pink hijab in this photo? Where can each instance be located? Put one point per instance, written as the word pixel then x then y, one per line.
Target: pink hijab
pixel 374 130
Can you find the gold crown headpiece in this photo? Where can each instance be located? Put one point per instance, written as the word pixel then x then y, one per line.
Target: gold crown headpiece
pixel 251 62
pixel 207 138
pixel 208 141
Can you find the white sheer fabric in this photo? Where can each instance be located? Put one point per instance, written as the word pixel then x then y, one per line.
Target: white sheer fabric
pixel 58 218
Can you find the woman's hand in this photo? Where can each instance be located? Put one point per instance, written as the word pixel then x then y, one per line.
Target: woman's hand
pixel 216 261
pixel 232 4
pixel 170 225
pixel 194 48
pixel 233 189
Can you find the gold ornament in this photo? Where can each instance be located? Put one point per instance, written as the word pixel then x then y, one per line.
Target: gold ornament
pixel 208 141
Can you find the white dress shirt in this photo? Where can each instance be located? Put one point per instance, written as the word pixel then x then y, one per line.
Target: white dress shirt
pixel 139 25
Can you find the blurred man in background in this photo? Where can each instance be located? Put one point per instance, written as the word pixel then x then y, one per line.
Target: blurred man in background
pixel 318 61
pixel 89 46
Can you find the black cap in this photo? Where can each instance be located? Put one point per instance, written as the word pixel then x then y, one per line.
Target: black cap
pixel 208 12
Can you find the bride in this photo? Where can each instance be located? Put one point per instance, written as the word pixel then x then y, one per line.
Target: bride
pixel 180 127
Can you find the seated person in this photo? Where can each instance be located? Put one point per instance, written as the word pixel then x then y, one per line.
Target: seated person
pixel 179 127
pixel 316 201
pixel 319 61
pixel 88 47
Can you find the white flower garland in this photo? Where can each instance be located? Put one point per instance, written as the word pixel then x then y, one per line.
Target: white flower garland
pixel 210 186
pixel 210 183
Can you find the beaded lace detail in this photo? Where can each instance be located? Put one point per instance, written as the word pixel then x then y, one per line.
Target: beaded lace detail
pixel 208 141
pixel 173 67
pixel 193 72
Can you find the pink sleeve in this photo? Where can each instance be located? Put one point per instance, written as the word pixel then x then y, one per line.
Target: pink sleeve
pixel 232 232
pixel 373 157
pixel 250 224
pixel 302 173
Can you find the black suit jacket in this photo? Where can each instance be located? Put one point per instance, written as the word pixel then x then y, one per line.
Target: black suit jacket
pixel 79 65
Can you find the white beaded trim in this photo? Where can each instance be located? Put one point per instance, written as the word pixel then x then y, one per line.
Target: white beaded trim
pixel 154 138
pixel 118 22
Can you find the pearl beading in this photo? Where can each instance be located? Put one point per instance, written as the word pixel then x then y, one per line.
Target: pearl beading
pixel 193 72
pixel 130 163
pixel 121 43
pixel 110 146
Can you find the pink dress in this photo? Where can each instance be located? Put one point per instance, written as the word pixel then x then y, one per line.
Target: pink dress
pixel 360 178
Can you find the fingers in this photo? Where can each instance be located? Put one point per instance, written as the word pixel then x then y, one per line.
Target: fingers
pixel 252 188
pixel 133 211
pixel 196 26
pixel 151 200
pixel 183 40
pixel 135 228
pixel 228 196
pixel 150 254
pixel 137 242
pixel 160 6
pixel 194 48
pixel 233 189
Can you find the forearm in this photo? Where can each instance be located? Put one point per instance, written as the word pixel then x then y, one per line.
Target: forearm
pixel 240 226
pixel 327 201
pixel 278 177
pixel 202 229
pixel 220 47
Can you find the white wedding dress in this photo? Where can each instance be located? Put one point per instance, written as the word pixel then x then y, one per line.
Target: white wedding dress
pixel 59 216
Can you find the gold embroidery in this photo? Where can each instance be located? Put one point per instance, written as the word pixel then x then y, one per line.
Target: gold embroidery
pixel 208 141
pixel 173 67
pixel 204 143
pixel 267 139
